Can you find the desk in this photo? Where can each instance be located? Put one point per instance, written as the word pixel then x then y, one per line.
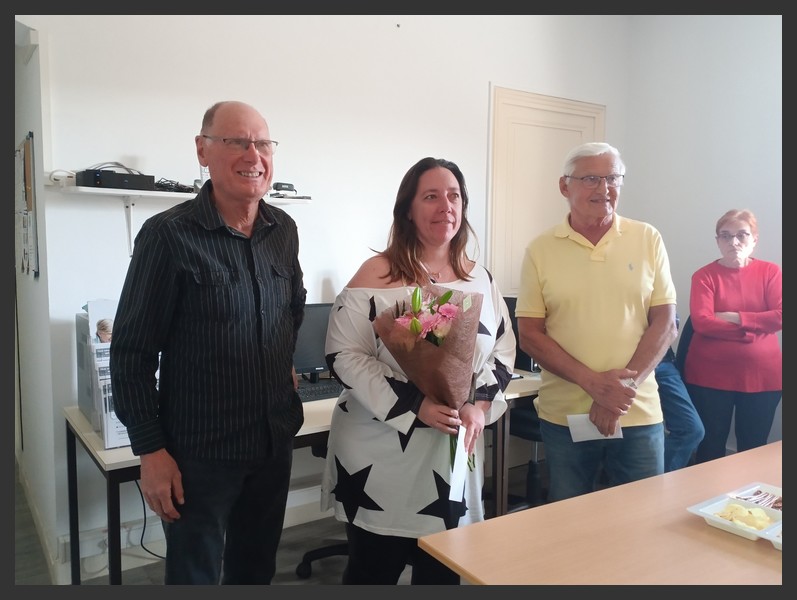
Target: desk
pixel 637 533
pixel 119 465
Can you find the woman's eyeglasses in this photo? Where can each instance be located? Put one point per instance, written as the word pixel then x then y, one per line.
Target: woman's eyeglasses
pixel 742 236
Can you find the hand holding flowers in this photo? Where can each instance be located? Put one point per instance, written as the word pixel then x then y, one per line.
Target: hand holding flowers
pixel 434 340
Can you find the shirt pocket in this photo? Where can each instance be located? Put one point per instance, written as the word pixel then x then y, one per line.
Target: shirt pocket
pixel 281 280
pixel 215 294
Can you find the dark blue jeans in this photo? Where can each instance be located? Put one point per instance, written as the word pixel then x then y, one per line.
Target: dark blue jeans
pixel 574 467
pixel 232 516
pixel 755 413
pixel 683 427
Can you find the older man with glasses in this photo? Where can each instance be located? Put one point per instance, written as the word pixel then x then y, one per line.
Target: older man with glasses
pixel 215 289
pixel 596 309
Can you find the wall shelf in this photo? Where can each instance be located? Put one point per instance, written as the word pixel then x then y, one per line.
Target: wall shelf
pixel 99 191
pixel 129 196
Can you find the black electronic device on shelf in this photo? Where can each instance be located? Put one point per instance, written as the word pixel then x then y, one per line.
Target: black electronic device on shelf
pixel 103 178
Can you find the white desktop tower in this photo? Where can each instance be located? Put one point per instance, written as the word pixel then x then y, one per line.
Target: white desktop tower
pixel 85 370
pixel 95 398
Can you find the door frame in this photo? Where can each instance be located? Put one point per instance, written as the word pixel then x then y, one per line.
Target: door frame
pixel 529 136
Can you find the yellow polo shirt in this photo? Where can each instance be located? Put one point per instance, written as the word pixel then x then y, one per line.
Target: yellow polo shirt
pixel 595 301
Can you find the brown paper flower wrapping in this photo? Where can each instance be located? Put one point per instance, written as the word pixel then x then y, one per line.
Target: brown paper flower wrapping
pixel 443 373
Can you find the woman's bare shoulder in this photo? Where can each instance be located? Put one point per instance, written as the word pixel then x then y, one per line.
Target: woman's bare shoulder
pixel 373 273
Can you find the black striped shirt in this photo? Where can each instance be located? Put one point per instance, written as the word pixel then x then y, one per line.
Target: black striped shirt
pixel 218 313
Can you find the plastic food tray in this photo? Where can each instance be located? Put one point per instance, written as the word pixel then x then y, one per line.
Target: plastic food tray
pixel 775 535
pixel 745 496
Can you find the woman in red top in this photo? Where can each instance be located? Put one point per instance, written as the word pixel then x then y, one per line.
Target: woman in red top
pixel 735 360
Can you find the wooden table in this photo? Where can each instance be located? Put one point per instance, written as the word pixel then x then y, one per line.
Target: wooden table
pixel 637 533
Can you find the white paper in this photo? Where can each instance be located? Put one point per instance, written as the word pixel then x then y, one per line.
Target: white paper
pixel 582 429
pixel 459 470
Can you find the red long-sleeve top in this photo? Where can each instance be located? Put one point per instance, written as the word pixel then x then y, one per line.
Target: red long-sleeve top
pixel 746 357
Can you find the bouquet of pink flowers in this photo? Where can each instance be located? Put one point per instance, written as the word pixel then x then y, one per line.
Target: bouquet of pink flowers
pixel 433 340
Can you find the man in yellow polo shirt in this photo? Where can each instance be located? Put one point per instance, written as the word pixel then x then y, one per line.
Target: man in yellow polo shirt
pixel 596 309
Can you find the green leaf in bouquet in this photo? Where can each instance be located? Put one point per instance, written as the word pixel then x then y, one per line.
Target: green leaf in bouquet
pixel 430 337
pixel 445 297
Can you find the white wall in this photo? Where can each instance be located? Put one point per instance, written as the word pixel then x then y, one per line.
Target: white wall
pixel 693 102
pixel 35 444
pixel 706 108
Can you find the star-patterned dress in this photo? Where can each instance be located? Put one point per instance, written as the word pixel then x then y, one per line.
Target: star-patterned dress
pixel 386 471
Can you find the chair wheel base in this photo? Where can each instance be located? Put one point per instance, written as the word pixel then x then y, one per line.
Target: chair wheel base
pixel 304 570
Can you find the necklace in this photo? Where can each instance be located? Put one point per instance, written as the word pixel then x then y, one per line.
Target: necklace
pixel 435 276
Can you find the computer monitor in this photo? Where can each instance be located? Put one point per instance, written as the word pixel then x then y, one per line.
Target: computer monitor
pixel 522 360
pixel 309 358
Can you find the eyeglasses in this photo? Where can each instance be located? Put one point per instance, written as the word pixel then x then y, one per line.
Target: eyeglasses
pixel 592 181
pixel 742 236
pixel 241 145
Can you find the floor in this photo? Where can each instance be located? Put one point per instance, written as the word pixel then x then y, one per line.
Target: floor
pixel 30 566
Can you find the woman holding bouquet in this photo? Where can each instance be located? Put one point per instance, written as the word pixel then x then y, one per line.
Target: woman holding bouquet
pixel 388 473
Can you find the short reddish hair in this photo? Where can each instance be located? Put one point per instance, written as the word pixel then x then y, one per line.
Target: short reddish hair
pixel 737 214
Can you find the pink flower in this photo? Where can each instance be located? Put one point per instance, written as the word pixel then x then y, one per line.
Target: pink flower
pixel 429 317
pixel 405 319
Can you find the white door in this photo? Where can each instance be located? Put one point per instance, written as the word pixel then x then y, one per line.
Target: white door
pixel 531 134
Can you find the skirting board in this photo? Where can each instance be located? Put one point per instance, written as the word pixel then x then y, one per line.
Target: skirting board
pixel 304 506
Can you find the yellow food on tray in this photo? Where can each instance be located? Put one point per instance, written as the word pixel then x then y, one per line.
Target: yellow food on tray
pixel 754 518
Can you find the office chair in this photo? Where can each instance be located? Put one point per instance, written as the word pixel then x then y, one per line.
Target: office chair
pixel 683 345
pixel 304 569
pixel 525 423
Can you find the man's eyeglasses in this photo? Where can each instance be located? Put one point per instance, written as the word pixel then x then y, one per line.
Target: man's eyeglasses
pixel 241 145
pixel 593 181
pixel 742 236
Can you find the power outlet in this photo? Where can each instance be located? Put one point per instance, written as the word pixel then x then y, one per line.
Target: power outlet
pixel 62 178
pixel 92 543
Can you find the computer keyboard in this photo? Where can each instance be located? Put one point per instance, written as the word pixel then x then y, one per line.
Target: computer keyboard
pixel 324 388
